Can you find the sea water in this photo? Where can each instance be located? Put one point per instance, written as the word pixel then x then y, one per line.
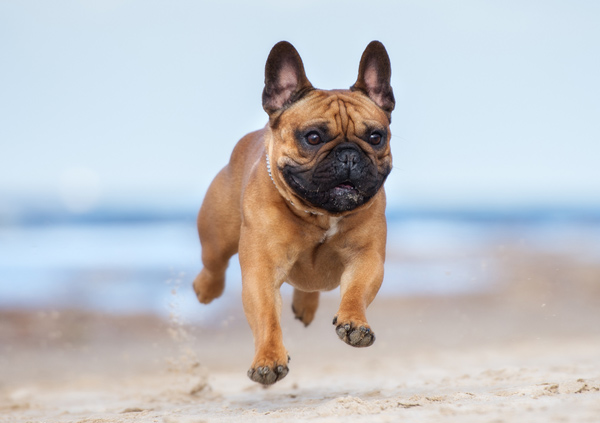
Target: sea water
pixel 118 267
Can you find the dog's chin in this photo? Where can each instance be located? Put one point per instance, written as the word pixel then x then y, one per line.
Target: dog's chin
pixel 344 197
pixel 340 198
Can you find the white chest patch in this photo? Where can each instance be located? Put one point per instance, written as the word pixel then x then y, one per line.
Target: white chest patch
pixel 333 228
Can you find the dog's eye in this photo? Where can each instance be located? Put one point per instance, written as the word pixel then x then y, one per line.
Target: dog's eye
pixel 313 138
pixel 375 138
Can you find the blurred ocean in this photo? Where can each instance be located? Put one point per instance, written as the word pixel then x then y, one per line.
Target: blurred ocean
pixel 116 264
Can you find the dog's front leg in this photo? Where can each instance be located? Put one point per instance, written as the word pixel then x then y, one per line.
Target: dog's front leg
pixel 359 285
pixel 262 277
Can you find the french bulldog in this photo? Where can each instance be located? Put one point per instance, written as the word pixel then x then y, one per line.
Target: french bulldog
pixel 302 201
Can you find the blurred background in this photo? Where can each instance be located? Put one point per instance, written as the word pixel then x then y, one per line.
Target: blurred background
pixel 116 115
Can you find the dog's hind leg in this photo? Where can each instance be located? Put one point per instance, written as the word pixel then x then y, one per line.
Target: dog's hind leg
pixel 219 229
pixel 304 305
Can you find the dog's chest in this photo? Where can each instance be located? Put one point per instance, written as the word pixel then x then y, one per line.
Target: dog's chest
pixel 319 267
pixel 333 228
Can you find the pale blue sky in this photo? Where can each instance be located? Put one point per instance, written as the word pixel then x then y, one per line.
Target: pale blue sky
pixel 498 102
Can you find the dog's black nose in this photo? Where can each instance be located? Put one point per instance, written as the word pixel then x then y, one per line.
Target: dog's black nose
pixel 349 157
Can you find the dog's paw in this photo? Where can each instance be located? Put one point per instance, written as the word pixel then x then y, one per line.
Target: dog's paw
pixel 304 305
pixel 208 286
pixel 305 315
pixel 357 335
pixel 268 375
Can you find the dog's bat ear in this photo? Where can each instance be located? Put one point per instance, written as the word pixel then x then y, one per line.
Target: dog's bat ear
pixel 374 74
pixel 285 80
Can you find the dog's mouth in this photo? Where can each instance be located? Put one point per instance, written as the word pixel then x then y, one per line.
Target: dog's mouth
pixel 345 187
pixel 341 197
pixel 336 196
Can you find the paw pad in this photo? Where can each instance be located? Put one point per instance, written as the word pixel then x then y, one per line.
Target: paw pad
pixel 267 375
pixel 356 336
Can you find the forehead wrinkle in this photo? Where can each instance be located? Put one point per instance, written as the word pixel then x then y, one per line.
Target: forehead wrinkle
pixel 343 117
pixel 353 111
pixel 354 103
pixel 333 108
pixel 338 123
pixel 344 109
pixel 351 126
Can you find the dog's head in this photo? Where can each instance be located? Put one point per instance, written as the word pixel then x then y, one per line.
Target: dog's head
pixel 329 150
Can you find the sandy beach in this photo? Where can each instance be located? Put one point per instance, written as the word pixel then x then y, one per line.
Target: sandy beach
pixel 528 351
pixel 116 116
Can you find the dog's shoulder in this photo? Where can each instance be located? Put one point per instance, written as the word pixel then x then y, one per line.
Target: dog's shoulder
pixel 248 150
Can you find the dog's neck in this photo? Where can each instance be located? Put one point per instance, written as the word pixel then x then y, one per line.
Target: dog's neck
pixel 289 200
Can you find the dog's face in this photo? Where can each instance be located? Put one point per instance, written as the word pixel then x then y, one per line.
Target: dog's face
pixel 329 149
